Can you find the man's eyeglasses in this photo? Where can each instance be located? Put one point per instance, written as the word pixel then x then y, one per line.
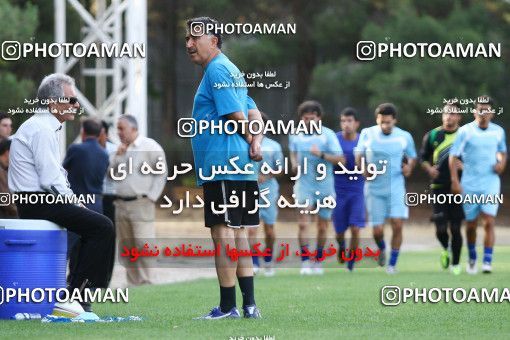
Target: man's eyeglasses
pixel 68 100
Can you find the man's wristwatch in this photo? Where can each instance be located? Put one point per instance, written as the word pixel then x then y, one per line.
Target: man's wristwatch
pixel 322 154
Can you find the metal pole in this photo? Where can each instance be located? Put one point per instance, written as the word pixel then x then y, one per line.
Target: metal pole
pixel 136 31
pixel 60 37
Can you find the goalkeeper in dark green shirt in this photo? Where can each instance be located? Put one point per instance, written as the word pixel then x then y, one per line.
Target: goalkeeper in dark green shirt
pixel 434 160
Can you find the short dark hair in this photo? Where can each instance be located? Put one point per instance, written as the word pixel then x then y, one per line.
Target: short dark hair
pixel 206 21
pixel 484 100
pixel 309 106
pixel 386 109
pixel 5 145
pixel 4 115
pixel 455 104
pixel 105 126
pixel 91 127
pixel 349 112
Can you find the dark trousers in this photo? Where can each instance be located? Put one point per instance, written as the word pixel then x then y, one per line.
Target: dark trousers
pixel 95 256
pixel 74 240
pixel 109 211
pixel 109 207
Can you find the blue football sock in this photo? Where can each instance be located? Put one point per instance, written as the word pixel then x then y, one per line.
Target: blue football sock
pixel 472 251
pixel 350 264
pixel 394 257
pixel 269 258
pixel 255 260
pixel 381 244
pixel 319 253
pixel 304 249
pixel 487 255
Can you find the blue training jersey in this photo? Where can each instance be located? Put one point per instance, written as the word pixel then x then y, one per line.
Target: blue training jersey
pixel 271 155
pixel 326 142
pixel 478 148
pixel 378 148
pixel 213 104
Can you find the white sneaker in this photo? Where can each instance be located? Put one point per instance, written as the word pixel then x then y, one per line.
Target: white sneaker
pixel 486 268
pixel 471 267
pixel 68 309
pixel 391 270
pixel 317 268
pixel 256 269
pixel 269 270
pixel 305 268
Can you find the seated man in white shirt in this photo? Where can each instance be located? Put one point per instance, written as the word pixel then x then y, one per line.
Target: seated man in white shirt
pixel 35 169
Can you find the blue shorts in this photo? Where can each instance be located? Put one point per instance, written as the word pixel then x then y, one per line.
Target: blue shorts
pixel 349 211
pixel 381 207
pixel 304 193
pixel 269 214
pixel 472 210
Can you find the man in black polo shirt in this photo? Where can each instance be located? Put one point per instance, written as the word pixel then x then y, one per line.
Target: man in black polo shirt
pixel 434 160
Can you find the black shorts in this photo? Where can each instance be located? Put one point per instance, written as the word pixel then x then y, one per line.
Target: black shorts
pixel 446 211
pixel 219 192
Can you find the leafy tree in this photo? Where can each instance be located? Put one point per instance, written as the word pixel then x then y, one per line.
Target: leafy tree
pixel 415 84
pixel 16 24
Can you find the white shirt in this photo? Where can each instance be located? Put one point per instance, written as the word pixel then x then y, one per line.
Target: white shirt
pixel 109 184
pixel 143 149
pixel 34 160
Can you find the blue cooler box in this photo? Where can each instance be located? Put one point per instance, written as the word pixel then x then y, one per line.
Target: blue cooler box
pixel 32 255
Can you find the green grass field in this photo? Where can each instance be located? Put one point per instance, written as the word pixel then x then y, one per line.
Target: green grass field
pixel 336 305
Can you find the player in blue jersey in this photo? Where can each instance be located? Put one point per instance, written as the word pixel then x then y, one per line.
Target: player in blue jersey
pixel 268 185
pixel 318 152
pixel 482 148
pixel 219 105
pixel 349 212
pixel 385 146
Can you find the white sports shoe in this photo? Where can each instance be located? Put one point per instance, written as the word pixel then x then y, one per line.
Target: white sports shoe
pixel 317 268
pixel 305 268
pixel 471 267
pixel 391 270
pixel 486 268
pixel 269 270
pixel 67 309
pixel 256 269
